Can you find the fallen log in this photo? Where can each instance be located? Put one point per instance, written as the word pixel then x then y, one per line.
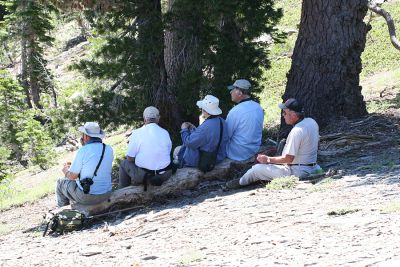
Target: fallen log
pixel 183 179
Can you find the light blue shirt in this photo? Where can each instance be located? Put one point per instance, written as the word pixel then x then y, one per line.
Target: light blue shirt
pixel 85 163
pixel 204 137
pixel 245 124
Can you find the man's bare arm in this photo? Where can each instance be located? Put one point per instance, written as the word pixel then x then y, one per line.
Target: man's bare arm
pixel 286 159
pixel 68 174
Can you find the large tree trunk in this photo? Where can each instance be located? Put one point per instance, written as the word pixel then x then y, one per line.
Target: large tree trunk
pixel 24 59
pixel 326 61
pixel 159 95
pixel 182 63
pixel 32 70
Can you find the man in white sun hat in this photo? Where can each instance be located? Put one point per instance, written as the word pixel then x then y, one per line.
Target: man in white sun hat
pixel 206 137
pixel 245 123
pixel 148 154
pixel 87 180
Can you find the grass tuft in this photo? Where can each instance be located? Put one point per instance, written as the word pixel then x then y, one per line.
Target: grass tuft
pixel 341 212
pixel 393 207
pixel 288 182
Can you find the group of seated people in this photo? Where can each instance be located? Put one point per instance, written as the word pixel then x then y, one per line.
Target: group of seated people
pixel 88 179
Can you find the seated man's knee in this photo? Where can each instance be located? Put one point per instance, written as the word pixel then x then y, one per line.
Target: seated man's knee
pixel 259 168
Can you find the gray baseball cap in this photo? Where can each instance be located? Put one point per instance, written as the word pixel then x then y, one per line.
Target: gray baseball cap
pixel 241 84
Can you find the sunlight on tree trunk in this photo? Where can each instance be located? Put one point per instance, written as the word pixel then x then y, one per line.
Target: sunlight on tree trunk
pixel 326 61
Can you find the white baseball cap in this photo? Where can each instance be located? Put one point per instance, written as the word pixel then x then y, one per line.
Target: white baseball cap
pixel 151 113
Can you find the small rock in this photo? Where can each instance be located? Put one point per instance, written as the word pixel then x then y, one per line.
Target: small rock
pixel 149 258
pixel 90 252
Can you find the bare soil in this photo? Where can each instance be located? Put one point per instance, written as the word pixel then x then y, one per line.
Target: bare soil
pixel 349 217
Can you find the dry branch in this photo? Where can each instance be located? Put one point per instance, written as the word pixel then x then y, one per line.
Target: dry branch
pixel 389 20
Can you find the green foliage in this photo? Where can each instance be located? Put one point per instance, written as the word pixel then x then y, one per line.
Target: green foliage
pixel 30 21
pixel 4 156
pixel 106 107
pixel 288 182
pixel 220 40
pixel 25 136
pixel 124 54
pixel 226 34
pixel 36 143
pixel 11 110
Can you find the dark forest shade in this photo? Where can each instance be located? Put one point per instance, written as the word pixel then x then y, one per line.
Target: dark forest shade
pixel 171 58
pixel 326 61
pixel 2 12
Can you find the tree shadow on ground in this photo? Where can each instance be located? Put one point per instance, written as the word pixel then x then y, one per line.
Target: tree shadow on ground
pixel 205 191
pixel 367 148
pixel 371 160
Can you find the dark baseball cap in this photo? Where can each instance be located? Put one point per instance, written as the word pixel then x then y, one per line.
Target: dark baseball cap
pixel 292 104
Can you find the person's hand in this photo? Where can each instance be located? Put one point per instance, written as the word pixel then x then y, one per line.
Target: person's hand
pixel 128 133
pixel 190 125
pixel 66 167
pixel 185 125
pixel 263 158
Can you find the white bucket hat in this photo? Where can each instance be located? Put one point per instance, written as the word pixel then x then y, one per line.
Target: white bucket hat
pixel 210 105
pixel 92 129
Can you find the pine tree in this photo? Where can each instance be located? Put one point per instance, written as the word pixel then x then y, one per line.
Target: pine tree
pixel 11 113
pixel 4 156
pixel 36 143
pixel 30 22
pixel 206 46
pixel 20 133
pixel 132 56
pixel 222 36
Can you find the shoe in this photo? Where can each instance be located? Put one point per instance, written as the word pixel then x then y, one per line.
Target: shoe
pixel 233 184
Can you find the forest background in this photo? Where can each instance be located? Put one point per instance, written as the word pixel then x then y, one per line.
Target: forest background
pixel 66 62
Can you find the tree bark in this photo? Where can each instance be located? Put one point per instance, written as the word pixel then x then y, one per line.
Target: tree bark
pixel 33 77
pixel 181 56
pixel 24 59
pixel 326 61
pixel 160 95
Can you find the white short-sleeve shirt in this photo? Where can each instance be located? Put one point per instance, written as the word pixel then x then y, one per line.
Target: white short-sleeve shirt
pixel 151 146
pixel 302 142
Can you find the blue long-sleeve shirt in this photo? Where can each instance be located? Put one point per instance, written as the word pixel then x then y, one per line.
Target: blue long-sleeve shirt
pixel 205 137
pixel 245 123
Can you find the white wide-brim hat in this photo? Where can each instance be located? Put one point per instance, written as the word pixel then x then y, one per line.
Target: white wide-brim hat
pixel 210 105
pixel 92 129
